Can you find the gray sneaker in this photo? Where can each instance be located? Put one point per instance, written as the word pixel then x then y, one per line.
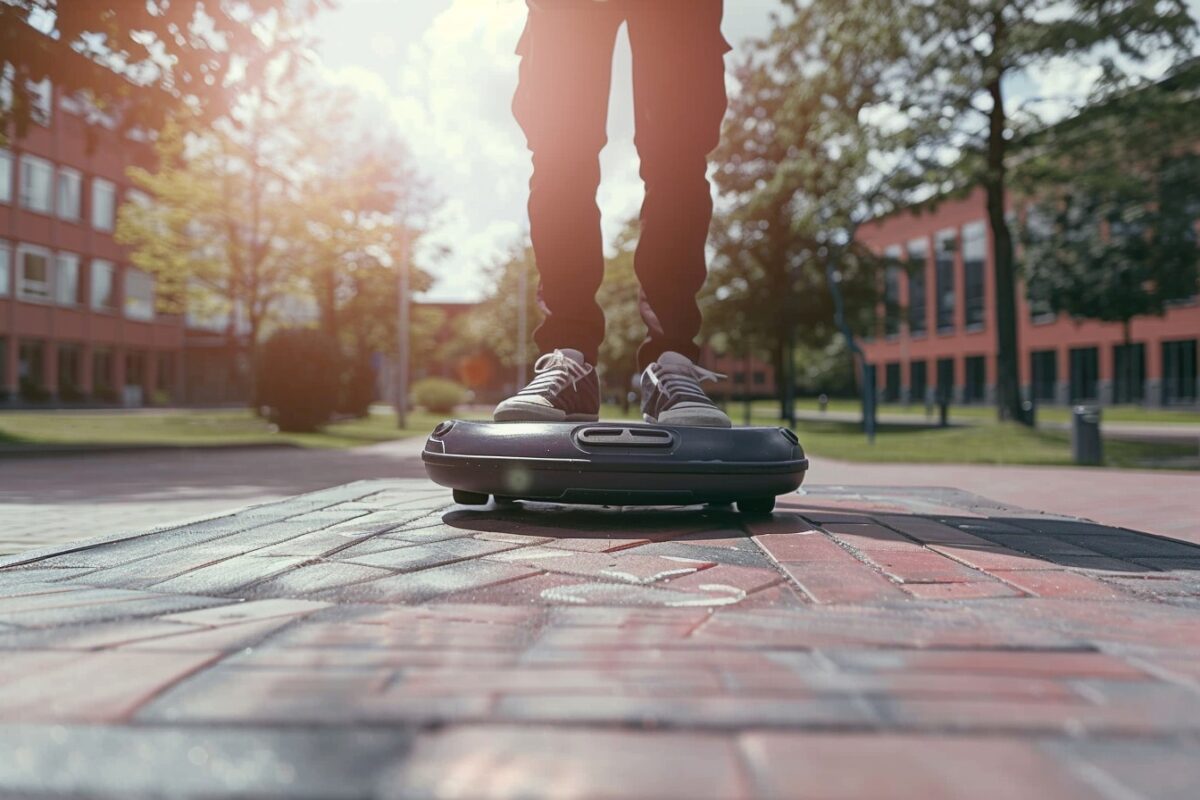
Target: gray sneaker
pixel 565 388
pixel 671 393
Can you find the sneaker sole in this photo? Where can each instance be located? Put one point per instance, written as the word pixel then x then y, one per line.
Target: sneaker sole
pixel 520 412
pixel 691 421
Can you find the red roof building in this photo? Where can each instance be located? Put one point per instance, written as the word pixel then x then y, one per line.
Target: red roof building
pixel 77 322
pixel 943 337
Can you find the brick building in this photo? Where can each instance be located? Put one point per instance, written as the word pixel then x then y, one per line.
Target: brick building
pixel 943 335
pixel 77 322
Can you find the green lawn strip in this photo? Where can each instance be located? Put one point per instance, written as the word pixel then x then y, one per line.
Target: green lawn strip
pixel 992 443
pixel 196 429
pixel 1133 414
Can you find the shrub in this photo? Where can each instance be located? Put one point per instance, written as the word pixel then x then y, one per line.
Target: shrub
pixel 358 387
pixel 299 378
pixel 438 395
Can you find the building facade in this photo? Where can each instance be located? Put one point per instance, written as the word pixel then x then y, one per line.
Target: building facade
pixel 78 324
pixel 936 327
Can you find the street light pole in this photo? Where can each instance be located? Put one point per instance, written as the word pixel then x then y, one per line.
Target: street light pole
pixel 401 382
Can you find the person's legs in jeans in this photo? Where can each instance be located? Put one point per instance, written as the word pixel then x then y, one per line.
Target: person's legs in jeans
pixel 680 100
pixel 561 104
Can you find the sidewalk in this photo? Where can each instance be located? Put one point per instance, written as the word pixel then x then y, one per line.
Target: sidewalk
pixel 369 641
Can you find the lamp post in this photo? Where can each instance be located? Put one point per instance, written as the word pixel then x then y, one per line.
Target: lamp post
pixel 401 381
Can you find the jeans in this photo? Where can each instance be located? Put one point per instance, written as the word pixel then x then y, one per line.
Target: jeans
pixel 561 103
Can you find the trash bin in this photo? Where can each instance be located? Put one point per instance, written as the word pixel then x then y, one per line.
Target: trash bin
pixel 1086 445
pixel 1029 413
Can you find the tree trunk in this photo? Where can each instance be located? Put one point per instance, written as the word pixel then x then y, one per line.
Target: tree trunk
pixel 1008 394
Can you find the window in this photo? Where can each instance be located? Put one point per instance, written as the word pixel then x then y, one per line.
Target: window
pixel 68 288
pixel 1129 373
pixel 37 182
pixel 1044 370
pixel 1085 369
pixel 70 187
pixel 917 254
pixel 891 382
pixel 139 295
pixel 918 380
pixel 104 204
pixel 5 268
pixel 31 373
pixel 1038 228
pixel 891 291
pixel 6 176
pixel 1179 371
pixel 70 362
pixel 102 373
pixel 104 286
pixel 945 379
pixel 33 278
pixel 974 246
pixel 943 267
pixel 975 382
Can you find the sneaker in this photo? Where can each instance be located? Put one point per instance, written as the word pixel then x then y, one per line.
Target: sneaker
pixel 565 388
pixel 671 393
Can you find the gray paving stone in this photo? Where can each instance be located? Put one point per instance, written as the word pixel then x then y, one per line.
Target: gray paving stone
pixel 423 556
pixel 230 575
pixel 312 578
pixel 127 550
pixel 418 586
pixel 125 762
pixel 1164 770
pixel 704 712
pixel 747 554
pixel 1130 545
pixel 151 605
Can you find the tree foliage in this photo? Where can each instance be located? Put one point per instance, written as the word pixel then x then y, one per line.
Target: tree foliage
pixel 800 172
pixel 904 90
pixel 1113 235
pixel 143 59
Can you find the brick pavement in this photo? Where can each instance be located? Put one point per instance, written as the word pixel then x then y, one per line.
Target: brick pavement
pixel 371 641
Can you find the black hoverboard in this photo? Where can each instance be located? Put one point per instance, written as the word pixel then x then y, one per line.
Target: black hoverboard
pixel 614 463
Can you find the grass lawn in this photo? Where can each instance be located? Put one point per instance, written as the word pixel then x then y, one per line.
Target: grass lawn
pixel 986 443
pixel 195 429
pixel 1136 414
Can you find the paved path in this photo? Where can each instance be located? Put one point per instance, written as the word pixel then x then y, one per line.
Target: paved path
pixel 66 498
pixel 62 499
pixel 369 641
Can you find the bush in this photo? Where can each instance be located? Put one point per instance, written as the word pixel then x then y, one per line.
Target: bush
pixel 358 387
pixel 299 379
pixel 438 395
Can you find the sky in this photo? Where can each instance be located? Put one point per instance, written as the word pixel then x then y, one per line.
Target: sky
pixel 442 72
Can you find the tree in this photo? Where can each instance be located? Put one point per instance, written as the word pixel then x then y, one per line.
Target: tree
pixel 801 172
pixel 624 330
pixel 950 90
pixel 1113 235
pixel 494 325
pixel 153 57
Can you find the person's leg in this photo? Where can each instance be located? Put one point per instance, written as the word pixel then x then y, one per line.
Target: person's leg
pixel 679 99
pixel 561 104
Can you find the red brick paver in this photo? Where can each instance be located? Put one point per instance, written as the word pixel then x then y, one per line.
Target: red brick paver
pixel 372 640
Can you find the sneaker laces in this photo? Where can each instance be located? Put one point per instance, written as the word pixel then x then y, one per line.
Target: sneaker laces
pixel 683 382
pixel 553 370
